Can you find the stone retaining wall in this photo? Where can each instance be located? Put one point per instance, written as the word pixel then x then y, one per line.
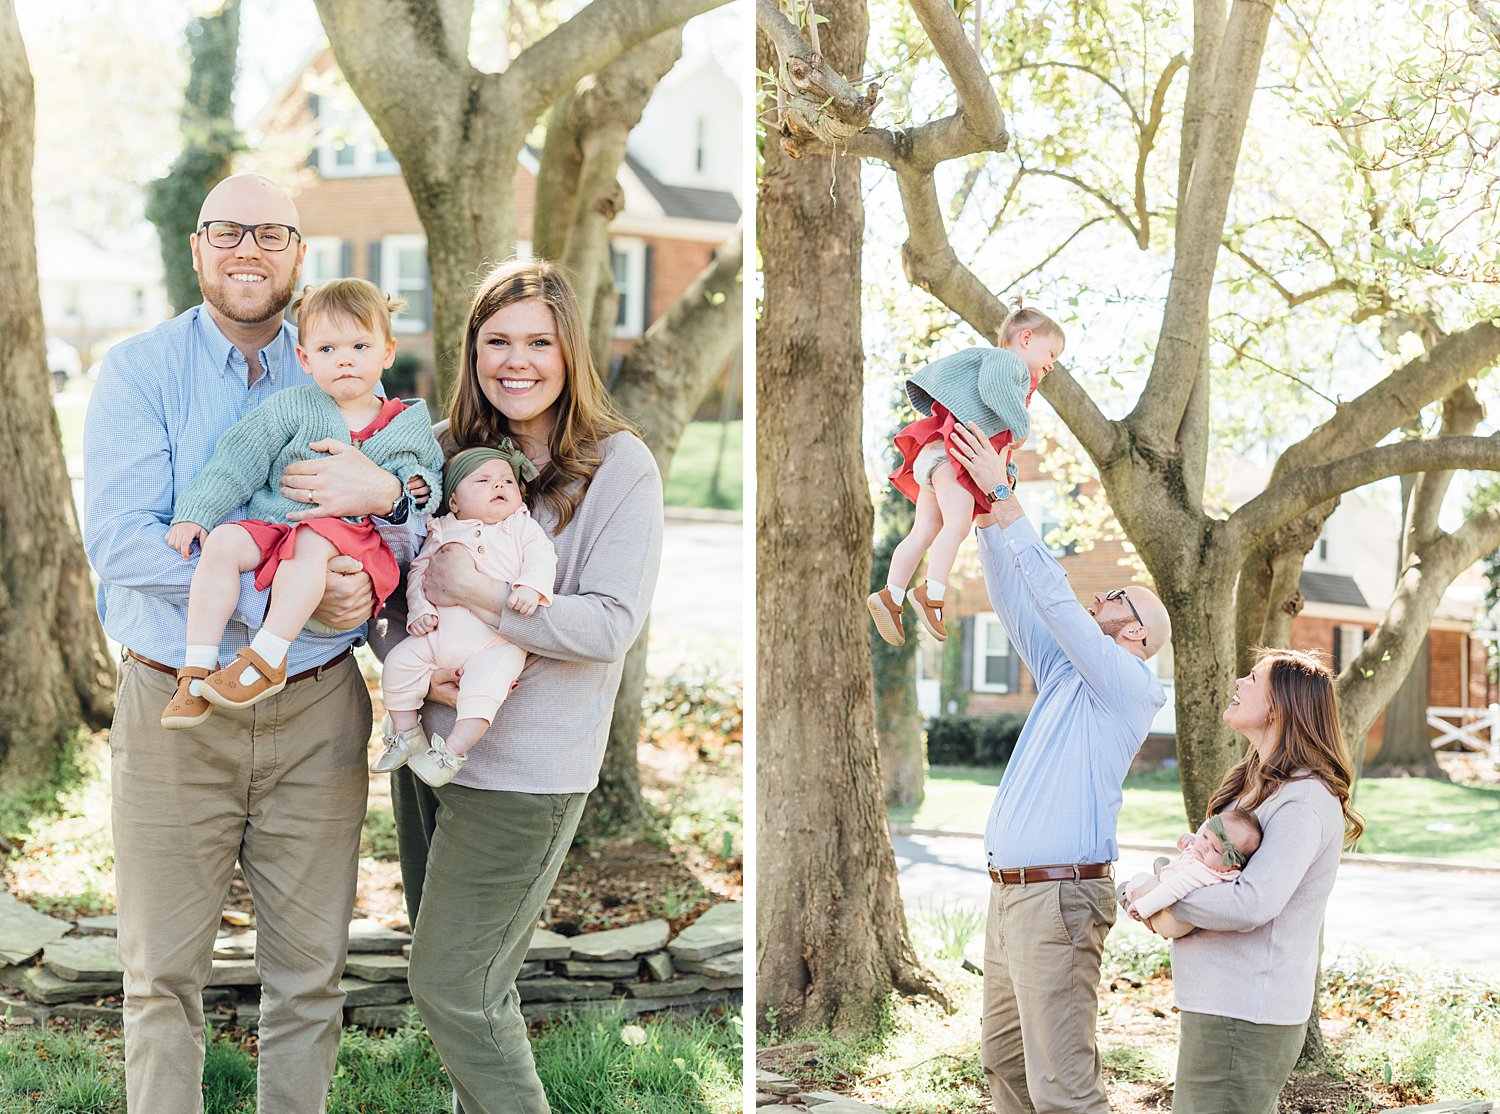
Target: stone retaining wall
pixel 64 969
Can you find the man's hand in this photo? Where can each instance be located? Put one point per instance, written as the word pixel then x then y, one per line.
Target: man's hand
pixel 344 483
pixel 422 624
pixel 453 580
pixel 442 687
pixel 973 452
pixel 182 536
pixel 524 600
pixel 348 595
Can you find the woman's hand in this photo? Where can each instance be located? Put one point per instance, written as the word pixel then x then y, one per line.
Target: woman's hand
pixel 453 580
pixel 442 687
pixel 343 483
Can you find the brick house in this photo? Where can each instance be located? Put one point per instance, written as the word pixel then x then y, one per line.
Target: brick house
pixel 1346 582
pixel 681 182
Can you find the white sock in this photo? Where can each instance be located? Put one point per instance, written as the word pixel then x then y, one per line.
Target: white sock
pixel 204 657
pixel 935 591
pixel 268 646
pixel 898 595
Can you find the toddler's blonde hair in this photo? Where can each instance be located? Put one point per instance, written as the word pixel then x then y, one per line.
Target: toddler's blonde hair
pixel 1025 317
pixel 355 298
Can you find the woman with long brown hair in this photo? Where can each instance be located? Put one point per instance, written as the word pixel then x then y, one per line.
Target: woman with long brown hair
pixel 1244 980
pixel 480 854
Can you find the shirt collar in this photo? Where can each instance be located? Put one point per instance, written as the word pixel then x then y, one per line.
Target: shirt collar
pixel 278 355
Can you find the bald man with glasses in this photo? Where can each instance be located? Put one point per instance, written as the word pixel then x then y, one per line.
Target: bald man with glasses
pixel 1050 837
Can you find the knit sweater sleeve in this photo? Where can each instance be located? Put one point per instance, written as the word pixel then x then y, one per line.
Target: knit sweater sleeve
pixel 622 516
pixel 407 448
pixel 241 465
pixel 1003 383
pixel 1294 836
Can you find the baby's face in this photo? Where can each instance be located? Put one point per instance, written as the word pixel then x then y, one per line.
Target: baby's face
pixel 1207 848
pixel 490 493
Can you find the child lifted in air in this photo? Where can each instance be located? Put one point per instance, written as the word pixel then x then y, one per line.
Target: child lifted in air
pixel 992 388
pixel 487 516
pixel 1214 854
pixel 344 343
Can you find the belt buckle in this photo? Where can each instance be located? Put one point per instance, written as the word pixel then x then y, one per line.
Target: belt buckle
pixel 1022 872
pixel 1077 875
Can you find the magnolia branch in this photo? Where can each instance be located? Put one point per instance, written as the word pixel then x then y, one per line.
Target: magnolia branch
pixel 1290 495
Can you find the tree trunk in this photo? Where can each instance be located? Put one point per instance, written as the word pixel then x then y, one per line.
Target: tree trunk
pixel 615 808
pixel 1406 740
pixel 55 672
pixel 831 932
pixel 898 720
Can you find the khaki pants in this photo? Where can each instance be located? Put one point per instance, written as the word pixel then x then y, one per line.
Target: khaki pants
pixel 478 865
pixel 1042 947
pixel 280 787
pixel 1229 1066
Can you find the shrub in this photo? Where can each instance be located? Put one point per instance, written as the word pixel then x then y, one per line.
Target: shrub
pixel 973 740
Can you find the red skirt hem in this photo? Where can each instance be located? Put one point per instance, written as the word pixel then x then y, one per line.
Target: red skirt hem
pixel 361 540
pixel 911 439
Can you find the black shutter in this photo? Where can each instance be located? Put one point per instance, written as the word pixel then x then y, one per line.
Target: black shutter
pixel 423 302
pixel 312 110
pixel 346 259
pixel 372 264
pixel 1012 667
pixel 1338 651
pixel 966 654
pixel 646 269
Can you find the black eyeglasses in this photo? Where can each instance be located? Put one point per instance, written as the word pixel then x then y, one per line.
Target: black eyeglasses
pixel 229 233
pixel 1121 594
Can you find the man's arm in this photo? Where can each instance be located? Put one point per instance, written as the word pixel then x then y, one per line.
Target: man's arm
pixel 128 493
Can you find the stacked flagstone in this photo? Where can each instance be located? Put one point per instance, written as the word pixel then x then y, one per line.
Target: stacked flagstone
pixel 56 968
pixel 776 1090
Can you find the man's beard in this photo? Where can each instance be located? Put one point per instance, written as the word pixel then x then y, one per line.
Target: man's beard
pixel 1113 627
pixel 271 299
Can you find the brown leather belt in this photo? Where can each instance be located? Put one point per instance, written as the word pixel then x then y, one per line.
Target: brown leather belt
pixel 1075 872
pixel 292 680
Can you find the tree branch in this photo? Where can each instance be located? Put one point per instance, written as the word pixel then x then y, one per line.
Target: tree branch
pixel 1435 374
pixel 978 105
pixel 1289 495
pixel 1136 233
pixel 1135 115
pixel 588 42
pixel 821 104
pixel 1099 436
pixel 1148 141
pixel 1462 413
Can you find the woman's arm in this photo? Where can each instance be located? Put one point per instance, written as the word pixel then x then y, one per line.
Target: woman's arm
pixel 1295 835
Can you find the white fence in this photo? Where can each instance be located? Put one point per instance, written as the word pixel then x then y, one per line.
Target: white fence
pixel 1469 728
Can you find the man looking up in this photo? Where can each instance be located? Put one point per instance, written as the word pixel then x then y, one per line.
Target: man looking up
pixel 1050 837
pixel 279 787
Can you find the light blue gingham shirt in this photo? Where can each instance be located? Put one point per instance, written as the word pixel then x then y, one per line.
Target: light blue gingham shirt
pixel 163 400
pixel 1060 795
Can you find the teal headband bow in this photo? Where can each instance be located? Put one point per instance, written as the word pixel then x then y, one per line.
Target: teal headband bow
pixel 1232 857
pixel 464 464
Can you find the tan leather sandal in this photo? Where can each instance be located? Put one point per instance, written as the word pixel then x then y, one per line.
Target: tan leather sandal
pixel 930 612
pixel 225 689
pixel 887 615
pixel 185 710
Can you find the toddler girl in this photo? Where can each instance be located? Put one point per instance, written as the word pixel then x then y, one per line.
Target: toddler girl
pixel 991 387
pixel 486 516
pixel 1215 853
pixel 345 342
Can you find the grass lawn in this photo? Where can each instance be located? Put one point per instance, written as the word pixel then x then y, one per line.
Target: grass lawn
pixel 689 484
pixel 1419 817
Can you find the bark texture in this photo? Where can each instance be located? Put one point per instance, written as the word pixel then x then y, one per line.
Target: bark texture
pixel 831 937
pixel 55 672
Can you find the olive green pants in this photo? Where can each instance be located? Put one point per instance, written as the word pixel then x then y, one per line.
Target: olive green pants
pixel 1229 1066
pixel 280 787
pixel 1037 1045
pixel 478 865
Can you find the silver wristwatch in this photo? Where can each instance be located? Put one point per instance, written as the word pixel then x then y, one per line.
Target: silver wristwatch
pixel 1000 492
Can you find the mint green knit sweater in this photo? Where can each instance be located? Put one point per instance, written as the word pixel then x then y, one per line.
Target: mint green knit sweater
pixel 252 454
pixel 984 385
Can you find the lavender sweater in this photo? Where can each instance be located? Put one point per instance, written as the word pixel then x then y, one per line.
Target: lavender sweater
pixel 549 735
pixel 1256 955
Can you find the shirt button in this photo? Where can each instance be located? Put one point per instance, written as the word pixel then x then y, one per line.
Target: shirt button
pixel 481 549
pixel 477 533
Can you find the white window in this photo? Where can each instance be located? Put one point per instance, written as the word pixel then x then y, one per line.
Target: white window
pixel 700 145
pixel 992 665
pixel 1348 642
pixel 324 260
pixel 1044 503
pixel 627 259
pixel 403 274
pixel 349 143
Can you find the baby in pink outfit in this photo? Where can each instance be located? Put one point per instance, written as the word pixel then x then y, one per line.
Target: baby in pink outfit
pixel 1215 853
pixel 486 515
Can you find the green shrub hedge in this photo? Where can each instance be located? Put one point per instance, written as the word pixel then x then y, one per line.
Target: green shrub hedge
pixel 973 740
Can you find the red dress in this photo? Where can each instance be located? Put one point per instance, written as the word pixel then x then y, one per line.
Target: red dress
pixel 911 439
pixel 360 540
